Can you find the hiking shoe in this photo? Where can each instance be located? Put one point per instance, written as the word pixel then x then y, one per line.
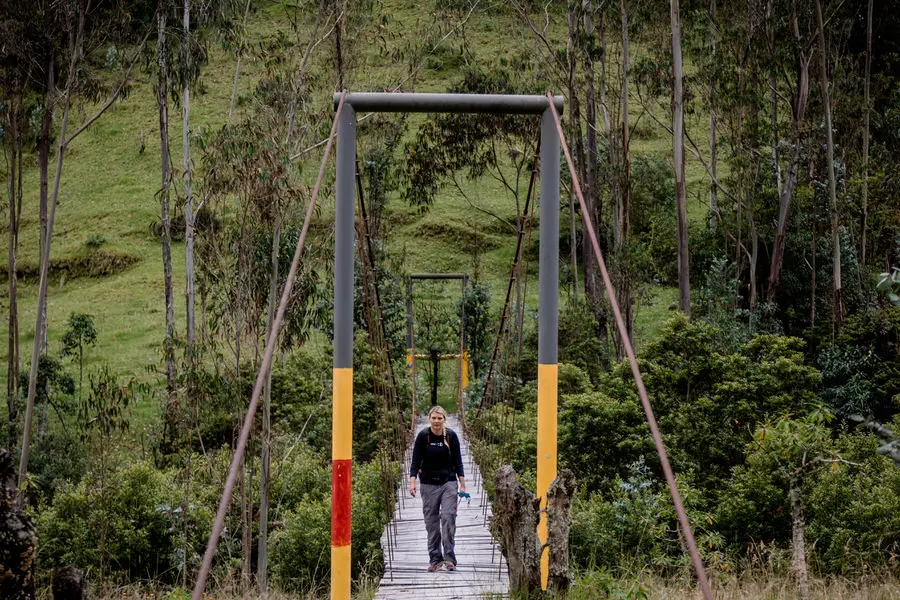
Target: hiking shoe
pixel 434 567
pixel 450 566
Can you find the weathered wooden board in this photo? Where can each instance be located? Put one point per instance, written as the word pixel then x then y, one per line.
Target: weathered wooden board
pixel 481 571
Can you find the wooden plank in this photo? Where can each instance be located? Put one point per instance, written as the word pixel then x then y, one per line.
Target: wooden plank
pixel 482 567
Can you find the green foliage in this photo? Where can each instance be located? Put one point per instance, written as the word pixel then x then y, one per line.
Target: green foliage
pixel 301 396
pixel 853 512
pixel 53 383
pixel 105 410
pixel 79 333
pixel 135 511
pixel 95 240
pixel 850 494
pixel 580 344
pixel 600 437
pixel 449 144
pixel 572 380
pixel 602 584
pixel 708 404
pixel 876 333
pixel 637 524
pixel 653 214
pixel 300 551
pixel 58 458
pixel 846 379
pixel 476 300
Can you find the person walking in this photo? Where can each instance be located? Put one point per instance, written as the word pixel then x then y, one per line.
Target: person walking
pixel 437 462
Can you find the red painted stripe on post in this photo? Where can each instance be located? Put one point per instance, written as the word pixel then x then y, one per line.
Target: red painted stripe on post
pixel 341 486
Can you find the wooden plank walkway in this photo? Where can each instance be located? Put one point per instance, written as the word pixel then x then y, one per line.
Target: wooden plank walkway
pixel 481 571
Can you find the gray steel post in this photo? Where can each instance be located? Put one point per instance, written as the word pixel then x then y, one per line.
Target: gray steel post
pixel 343 239
pixel 409 315
pixel 548 266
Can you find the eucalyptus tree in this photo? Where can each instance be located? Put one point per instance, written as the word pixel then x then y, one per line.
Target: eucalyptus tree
pixel 68 31
pixel 249 174
pixel 17 100
pixel 162 104
pixel 829 157
pixel 684 275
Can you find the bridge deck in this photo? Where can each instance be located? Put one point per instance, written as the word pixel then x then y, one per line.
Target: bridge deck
pixel 481 571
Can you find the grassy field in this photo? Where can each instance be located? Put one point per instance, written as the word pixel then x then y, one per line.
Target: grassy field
pixel 111 176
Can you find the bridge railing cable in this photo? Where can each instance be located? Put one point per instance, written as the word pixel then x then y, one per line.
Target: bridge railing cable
pixel 632 360
pixel 238 458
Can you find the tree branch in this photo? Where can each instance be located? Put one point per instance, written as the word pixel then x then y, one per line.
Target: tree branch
pixel 478 208
pixel 115 95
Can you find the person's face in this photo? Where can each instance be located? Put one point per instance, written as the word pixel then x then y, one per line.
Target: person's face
pixel 437 421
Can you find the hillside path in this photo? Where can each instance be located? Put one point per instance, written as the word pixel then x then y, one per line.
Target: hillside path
pixel 481 571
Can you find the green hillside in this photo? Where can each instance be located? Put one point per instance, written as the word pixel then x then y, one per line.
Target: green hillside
pixel 111 176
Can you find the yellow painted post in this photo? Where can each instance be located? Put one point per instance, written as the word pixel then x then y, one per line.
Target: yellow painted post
pixel 546 451
pixel 465 369
pixel 341 483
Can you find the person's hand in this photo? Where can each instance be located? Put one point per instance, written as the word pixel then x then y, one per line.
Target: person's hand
pixel 462 488
pixel 412 487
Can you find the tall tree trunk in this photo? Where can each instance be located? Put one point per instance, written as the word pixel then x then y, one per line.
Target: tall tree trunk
pixel 162 100
pixel 263 554
pixel 237 69
pixel 786 192
pixel 773 96
pixel 832 185
pixel 798 541
pixel 754 255
pixel 14 174
pixel 713 190
pixel 865 150
pixel 339 43
pixel 76 43
pixel 188 198
pixel 812 284
pixel 44 144
pixel 575 130
pixel 684 280
pixel 593 293
pixel 595 204
pixel 624 209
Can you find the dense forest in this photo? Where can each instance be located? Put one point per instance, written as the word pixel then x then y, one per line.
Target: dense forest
pixel 738 162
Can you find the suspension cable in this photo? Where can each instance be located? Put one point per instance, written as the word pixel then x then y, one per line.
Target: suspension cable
pixel 238 458
pixel 632 360
pixel 516 259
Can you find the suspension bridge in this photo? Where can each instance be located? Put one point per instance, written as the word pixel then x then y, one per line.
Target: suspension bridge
pixel 481 567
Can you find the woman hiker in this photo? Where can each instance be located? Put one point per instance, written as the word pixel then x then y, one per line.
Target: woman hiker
pixel 437 462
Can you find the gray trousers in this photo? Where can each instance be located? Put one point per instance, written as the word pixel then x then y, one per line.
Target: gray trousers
pixel 439 508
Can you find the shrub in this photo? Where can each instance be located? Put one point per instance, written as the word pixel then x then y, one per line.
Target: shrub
pixel 853 512
pixel 58 457
pixel 600 437
pixel 573 380
pixel 300 551
pixel 126 526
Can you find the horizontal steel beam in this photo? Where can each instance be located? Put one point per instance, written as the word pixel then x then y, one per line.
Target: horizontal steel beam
pixel 438 276
pixel 450 103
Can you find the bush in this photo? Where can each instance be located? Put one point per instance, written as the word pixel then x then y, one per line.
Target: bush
pixel 128 526
pixel 573 380
pixel 853 512
pixel 58 457
pixel 300 551
pixel 600 437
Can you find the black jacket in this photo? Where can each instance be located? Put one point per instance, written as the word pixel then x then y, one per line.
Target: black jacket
pixel 436 459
